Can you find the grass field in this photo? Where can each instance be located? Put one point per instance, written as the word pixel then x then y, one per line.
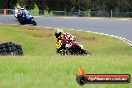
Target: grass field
pixel 41 67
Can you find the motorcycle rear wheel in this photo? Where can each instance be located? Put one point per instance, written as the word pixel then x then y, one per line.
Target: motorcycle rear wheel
pixel 62 52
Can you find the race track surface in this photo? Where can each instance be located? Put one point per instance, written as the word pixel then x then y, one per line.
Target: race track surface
pixel 117 27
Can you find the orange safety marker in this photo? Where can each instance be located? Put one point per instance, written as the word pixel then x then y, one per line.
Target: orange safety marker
pixel 4 11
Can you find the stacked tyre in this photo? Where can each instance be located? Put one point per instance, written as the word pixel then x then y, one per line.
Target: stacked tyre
pixel 10 48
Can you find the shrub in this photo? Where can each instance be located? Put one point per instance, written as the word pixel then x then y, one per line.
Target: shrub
pixel 35 11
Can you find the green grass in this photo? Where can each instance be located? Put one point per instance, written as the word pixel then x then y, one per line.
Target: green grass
pixel 41 67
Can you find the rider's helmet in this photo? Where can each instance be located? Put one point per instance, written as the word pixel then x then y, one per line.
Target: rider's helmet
pixel 18 7
pixel 22 8
pixel 58 33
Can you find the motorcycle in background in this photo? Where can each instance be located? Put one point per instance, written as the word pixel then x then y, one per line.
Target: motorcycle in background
pixel 24 17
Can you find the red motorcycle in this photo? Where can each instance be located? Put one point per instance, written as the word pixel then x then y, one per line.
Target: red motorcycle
pixel 75 49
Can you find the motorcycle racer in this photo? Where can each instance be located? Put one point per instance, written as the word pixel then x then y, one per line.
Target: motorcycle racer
pixel 17 11
pixel 24 17
pixel 25 12
pixel 68 39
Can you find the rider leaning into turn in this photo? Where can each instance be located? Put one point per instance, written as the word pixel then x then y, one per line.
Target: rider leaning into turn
pixel 21 11
pixel 24 12
pixel 67 39
pixel 17 10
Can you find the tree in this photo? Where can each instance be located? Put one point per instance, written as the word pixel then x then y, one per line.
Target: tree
pixel 7 4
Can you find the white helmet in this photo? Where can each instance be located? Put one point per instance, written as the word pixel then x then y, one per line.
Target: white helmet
pixel 22 8
pixel 18 7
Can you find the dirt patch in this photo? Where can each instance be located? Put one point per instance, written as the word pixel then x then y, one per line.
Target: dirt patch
pixel 81 38
pixel 29 28
pixel 48 35
pixel 41 32
pixel 34 28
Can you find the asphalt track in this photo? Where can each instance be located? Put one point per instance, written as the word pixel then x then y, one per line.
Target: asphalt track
pixel 117 27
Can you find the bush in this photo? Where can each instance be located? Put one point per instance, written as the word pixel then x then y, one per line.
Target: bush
pixel 88 13
pixel 35 11
pixel 48 13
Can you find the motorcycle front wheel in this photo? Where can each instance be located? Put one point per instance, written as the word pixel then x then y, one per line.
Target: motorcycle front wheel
pixel 21 22
pixel 34 23
pixel 85 52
